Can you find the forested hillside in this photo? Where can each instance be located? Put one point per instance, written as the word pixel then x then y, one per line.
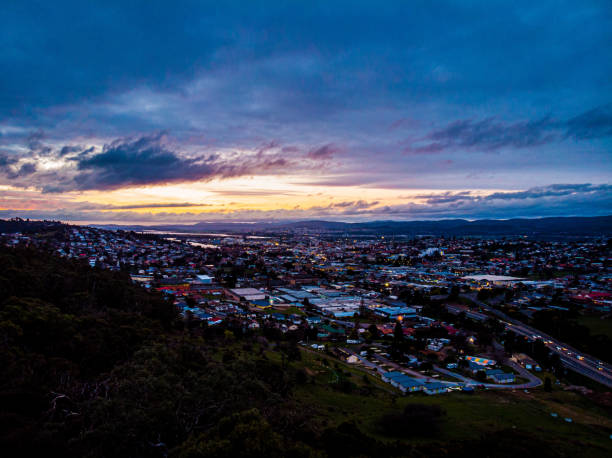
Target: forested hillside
pixel 95 366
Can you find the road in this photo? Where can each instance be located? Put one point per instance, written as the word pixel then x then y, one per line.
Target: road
pixel 586 365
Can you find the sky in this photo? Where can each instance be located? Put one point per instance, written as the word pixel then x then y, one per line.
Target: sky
pixel 149 112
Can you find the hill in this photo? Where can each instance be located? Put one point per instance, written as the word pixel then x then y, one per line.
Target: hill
pixel 536 228
pixel 95 366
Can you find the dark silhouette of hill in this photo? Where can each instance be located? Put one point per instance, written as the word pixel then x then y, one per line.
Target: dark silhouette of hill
pixel 538 227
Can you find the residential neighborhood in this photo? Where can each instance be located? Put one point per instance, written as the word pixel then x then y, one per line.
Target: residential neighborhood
pixel 424 315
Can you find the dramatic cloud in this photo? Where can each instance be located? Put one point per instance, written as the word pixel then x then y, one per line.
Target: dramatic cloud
pixel 6 160
pixel 148 160
pixel 555 190
pixel 140 206
pixel 139 162
pixel 269 105
pixel 323 152
pixel 596 123
pixel 491 135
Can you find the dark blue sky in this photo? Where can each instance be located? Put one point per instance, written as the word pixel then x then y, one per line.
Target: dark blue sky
pixel 367 103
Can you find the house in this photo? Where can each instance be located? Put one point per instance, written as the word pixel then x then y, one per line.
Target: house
pixel 203 279
pixel 499 376
pixel 313 320
pixel 409 385
pixel 475 367
pixel 503 377
pixel 261 303
pixel 402 381
pixel 388 376
pixel 527 362
pixel 434 388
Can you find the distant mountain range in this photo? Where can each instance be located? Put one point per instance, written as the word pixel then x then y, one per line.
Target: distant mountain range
pixel 541 227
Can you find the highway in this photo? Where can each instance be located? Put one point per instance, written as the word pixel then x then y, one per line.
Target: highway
pixel 579 362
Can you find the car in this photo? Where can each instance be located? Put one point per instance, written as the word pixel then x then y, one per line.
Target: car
pixel 580 357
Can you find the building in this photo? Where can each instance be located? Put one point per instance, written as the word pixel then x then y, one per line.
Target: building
pixel 527 362
pixel 394 313
pixel 245 294
pixel 203 280
pixel 499 376
pixel 434 388
pixel 480 361
pixel 402 381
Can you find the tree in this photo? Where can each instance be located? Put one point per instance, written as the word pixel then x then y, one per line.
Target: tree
pixel 398 332
pixel 453 295
pixel 547 385
pixel 398 339
pixel 483 294
pixel 374 332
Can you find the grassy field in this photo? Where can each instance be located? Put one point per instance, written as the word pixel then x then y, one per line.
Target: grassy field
pixel 596 325
pixel 466 415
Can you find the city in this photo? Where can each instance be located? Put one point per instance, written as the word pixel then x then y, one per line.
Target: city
pixel 306 229
pixel 444 314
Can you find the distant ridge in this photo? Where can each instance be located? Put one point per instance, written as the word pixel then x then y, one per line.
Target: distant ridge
pixel 540 227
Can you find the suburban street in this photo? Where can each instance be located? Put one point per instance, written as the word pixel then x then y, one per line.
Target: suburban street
pixel 533 381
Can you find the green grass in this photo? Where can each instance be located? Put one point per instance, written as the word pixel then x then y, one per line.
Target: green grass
pixel 597 326
pixel 468 416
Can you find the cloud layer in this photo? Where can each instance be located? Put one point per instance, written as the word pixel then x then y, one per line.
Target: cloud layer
pixel 554 200
pixel 316 101
pixel 492 135
pixel 146 161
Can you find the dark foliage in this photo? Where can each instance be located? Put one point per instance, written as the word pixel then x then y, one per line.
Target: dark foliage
pixel 415 420
pixel 564 326
pixel 94 366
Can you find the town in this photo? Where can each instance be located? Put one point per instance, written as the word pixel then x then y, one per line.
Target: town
pixel 428 315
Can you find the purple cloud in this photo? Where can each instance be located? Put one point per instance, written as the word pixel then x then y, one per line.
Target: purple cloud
pixel 324 152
